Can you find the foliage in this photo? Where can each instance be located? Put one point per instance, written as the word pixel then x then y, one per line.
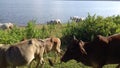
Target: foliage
pixel 85 30
pixel 92 26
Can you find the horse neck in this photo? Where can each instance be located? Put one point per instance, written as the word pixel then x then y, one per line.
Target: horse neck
pixel 3 48
pixel 39 49
pixel 49 46
pixel 22 43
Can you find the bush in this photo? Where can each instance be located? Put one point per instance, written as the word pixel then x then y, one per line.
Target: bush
pixel 92 26
pixel 85 30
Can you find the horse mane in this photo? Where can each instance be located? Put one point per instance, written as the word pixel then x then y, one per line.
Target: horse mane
pixel 24 42
pixel 3 48
pixel 47 39
pixel 51 39
pixel 41 40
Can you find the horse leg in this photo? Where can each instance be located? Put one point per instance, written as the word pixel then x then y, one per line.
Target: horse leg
pixel 14 66
pixel 97 66
pixel 3 66
pixel 29 66
pixel 118 66
pixel 42 65
pixel 41 61
pixel 56 55
pixel 40 58
pixel 37 64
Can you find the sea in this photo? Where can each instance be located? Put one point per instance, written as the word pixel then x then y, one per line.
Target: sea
pixel 20 12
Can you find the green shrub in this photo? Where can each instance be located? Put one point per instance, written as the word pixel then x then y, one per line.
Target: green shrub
pixel 92 26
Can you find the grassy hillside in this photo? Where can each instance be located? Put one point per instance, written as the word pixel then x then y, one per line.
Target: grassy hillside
pixel 85 30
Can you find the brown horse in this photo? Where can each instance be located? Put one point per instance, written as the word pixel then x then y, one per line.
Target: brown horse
pixel 97 53
pixel 52 44
pixel 22 53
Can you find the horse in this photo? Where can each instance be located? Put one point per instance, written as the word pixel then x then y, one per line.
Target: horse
pixel 52 44
pixel 97 53
pixel 54 21
pixel 6 25
pixel 22 53
pixel 77 19
pixel 3 49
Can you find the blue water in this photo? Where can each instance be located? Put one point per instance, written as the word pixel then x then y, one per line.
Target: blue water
pixel 21 11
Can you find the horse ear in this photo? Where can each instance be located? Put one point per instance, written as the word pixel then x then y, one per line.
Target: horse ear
pixel 30 42
pixel 81 44
pixel 83 51
pixel 23 39
pixel 51 39
pixel 74 37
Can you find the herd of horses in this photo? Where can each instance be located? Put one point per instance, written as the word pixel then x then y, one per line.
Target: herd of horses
pixel 101 51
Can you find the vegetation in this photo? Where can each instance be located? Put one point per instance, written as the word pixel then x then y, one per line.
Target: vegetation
pixel 85 30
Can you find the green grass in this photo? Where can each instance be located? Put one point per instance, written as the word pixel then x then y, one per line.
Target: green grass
pixel 69 64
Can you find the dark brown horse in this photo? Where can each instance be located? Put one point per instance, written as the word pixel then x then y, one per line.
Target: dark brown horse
pixel 101 51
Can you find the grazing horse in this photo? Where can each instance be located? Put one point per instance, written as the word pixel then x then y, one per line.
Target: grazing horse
pixel 54 21
pixel 77 19
pixel 53 44
pixel 22 53
pixel 6 25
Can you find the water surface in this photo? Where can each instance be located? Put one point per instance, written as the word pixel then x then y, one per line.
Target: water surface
pixel 21 11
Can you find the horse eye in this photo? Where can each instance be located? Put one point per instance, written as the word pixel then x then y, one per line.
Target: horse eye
pixel 72 48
